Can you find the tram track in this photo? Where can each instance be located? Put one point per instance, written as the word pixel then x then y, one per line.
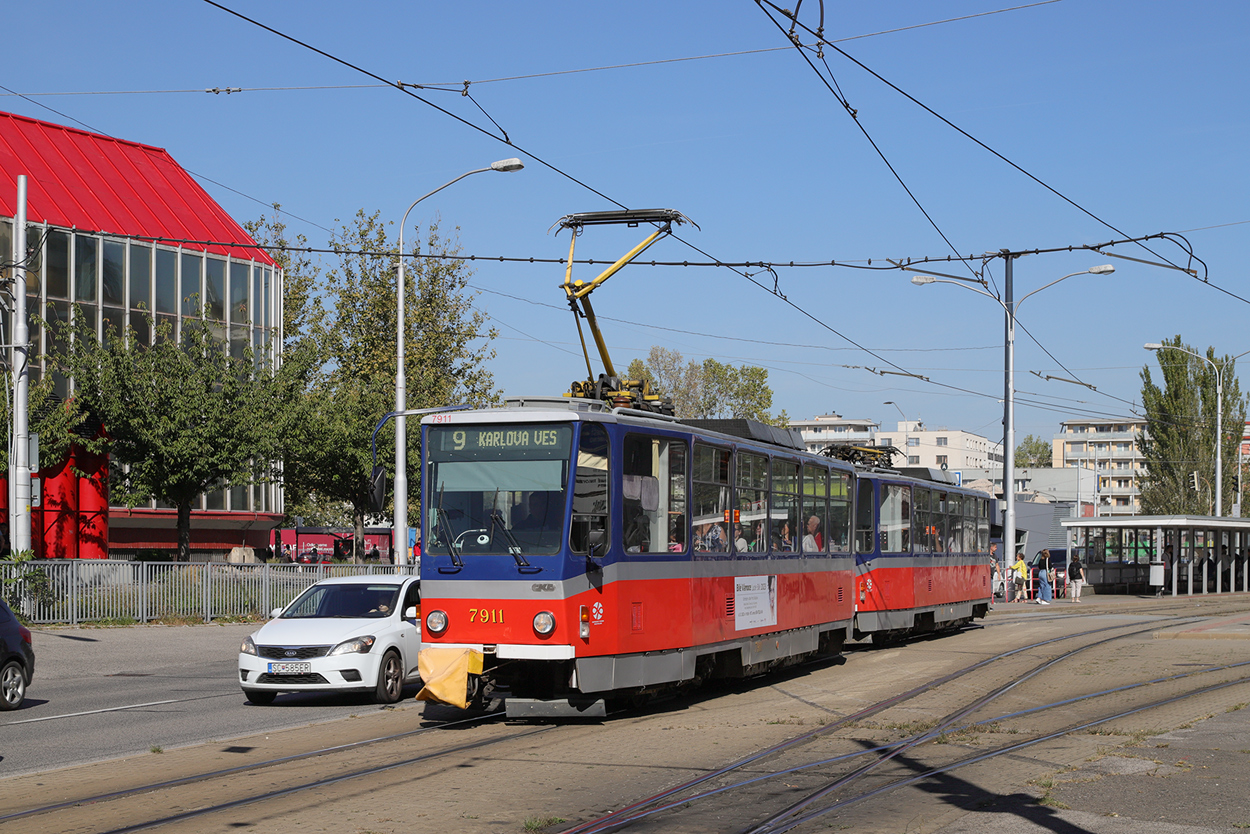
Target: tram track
pixel 47 813
pixel 681 796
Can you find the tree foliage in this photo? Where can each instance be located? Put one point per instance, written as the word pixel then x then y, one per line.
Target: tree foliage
pixel 1180 433
pixel 708 390
pixel 182 417
pixel 447 344
pixel 1033 452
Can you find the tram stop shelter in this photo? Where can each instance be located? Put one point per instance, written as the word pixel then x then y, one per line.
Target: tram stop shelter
pixel 1174 554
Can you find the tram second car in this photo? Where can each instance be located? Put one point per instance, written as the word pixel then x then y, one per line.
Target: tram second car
pixel 575 553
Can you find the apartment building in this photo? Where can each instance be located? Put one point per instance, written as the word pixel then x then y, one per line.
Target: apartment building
pixel 834 429
pixel 1109 447
pixel 950 449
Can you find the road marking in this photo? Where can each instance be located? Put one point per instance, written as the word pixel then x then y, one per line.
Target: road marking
pixel 112 709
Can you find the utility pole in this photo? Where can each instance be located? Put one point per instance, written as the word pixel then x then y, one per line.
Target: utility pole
pixel 1009 412
pixel 19 523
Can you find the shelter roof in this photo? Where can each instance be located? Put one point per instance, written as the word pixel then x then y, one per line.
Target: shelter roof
pixel 95 183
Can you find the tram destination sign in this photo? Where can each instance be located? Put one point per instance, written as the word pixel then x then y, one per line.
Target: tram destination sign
pixel 506 439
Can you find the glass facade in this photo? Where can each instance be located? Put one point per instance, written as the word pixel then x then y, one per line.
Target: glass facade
pixel 119 282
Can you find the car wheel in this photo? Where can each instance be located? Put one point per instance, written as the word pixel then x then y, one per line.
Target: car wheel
pixel 260 698
pixel 12 685
pixel 390 679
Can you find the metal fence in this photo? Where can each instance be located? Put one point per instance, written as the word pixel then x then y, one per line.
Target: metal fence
pixel 80 591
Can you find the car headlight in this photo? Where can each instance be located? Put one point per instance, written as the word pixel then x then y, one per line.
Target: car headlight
pixel 248 647
pixel 544 622
pixel 436 622
pixel 356 645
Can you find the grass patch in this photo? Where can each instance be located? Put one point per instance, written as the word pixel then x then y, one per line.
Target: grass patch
pixel 156 748
pixel 539 823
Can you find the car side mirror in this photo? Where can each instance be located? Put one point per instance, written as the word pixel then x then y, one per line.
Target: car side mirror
pixel 274 613
pixel 410 613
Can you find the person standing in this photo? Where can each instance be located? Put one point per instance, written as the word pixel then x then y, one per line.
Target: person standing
pixel 1076 577
pixel 1044 593
pixel 1019 576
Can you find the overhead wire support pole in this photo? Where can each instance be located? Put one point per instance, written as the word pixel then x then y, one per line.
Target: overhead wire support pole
pixel 20 522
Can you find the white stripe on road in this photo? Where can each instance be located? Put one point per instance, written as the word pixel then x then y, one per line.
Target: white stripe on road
pixel 112 709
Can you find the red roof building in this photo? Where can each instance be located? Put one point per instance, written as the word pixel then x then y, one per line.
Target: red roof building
pixel 124 232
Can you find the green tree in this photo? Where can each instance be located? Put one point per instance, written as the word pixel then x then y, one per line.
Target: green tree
pixel 447 345
pixel 183 417
pixel 710 390
pixel 1033 452
pixel 1180 433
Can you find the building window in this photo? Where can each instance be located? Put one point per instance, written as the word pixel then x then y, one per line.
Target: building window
pixel 913 441
pixel 913 460
pixel 941 460
pixel 885 441
pixel 941 441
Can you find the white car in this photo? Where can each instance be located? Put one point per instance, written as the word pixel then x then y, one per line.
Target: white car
pixel 351 634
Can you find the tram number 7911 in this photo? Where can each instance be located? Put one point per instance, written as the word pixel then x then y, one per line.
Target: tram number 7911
pixel 486 615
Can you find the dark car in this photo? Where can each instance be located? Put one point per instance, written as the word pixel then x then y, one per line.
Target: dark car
pixel 17 659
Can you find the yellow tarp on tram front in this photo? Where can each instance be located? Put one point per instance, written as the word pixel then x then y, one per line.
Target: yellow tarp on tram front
pixel 445 674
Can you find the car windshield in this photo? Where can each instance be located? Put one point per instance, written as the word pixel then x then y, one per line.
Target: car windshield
pixel 344 601
pixel 497 488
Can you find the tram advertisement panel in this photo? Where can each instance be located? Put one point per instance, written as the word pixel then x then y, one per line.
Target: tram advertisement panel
pixel 755 602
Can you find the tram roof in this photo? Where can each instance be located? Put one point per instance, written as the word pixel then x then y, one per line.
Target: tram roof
pixel 1209 522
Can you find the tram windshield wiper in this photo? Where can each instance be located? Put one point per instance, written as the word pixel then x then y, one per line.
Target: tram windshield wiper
pixel 514 547
pixel 444 531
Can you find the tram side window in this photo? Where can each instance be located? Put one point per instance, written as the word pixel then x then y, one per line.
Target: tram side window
pixel 839 529
pixel 970 524
pixel 983 525
pixel 920 522
pixel 751 481
pixel 590 491
pixel 653 507
pixel 784 514
pixel 711 498
pixel 954 523
pixel 815 508
pixel 895 517
pixel 865 509
pixel 939 522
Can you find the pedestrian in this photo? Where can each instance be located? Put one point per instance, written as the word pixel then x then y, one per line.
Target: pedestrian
pixel 1076 576
pixel 1044 593
pixel 1020 576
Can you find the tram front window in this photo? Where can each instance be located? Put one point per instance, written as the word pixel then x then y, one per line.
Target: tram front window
pixel 496 489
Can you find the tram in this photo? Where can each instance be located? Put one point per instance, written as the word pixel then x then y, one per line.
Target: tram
pixel 593 548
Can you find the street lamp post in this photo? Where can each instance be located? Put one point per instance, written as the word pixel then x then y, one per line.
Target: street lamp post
pixel 1009 373
pixel 1219 416
pixel 906 451
pixel 399 543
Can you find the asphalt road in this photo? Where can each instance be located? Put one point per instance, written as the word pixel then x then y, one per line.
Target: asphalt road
pixel 105 693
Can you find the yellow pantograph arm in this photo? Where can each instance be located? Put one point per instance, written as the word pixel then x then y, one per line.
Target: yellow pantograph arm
pixel 581 290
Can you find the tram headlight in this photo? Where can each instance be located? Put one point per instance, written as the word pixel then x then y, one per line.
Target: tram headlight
pixel 436 622
pixel 544 622
pixel 585 621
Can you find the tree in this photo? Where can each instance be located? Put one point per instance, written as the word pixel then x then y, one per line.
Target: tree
pixel 182 417
pixel 711 390
pixel 1033 452
pixel 1180 434
pixel 329 452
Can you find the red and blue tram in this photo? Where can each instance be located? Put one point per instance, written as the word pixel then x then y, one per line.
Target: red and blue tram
pixel 576 552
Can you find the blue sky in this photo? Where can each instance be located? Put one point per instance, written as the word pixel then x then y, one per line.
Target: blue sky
pixel 1135 111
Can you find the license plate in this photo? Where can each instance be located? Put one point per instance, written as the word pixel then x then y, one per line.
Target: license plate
pixel 290 668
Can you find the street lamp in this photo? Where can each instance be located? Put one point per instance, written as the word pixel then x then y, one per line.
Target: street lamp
pixel 400 526
pixel 1009 373
pixel 1219 416
pixel 904 418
